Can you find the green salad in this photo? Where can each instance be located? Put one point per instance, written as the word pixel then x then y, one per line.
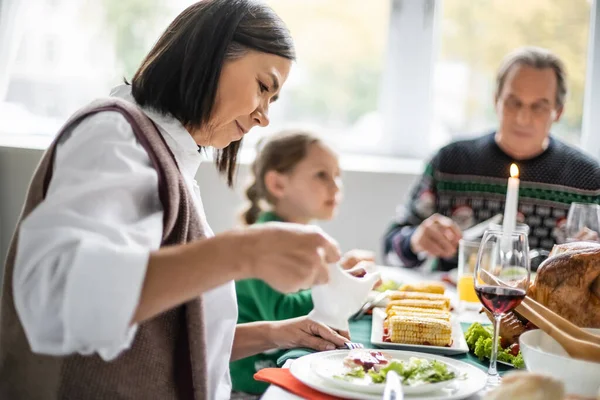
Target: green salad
pixel 387 284
pixel 479 340
pixel 415 371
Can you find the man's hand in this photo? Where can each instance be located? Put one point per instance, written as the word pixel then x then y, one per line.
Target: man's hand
pixel 303 332
pixel 437 235
pixel 586 234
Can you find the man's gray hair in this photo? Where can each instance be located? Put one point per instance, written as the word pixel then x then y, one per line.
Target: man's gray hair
pixel 539 58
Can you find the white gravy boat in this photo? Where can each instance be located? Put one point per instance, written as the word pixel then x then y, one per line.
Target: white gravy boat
pixel 344 294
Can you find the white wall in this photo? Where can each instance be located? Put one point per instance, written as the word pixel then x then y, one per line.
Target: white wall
pixel 16 169
pixel 369 204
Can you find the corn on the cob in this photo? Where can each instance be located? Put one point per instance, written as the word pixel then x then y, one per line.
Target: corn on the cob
pixel 427 287
pixel 419 296
pixel 415 330
pixel 419 303
pixel 398 295
pixel 419 312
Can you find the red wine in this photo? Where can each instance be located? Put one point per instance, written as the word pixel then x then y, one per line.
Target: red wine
pixel 500 300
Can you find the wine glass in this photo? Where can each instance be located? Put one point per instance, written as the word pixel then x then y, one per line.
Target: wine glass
pixel 501 280
pixel 583 222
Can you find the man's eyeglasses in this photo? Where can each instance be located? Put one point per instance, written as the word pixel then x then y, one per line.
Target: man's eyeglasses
pixel 538 109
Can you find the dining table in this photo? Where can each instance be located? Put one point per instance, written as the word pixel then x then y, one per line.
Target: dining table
pixel 360 330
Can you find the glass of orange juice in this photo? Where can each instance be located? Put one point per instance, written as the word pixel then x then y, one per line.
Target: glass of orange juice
pixel 467 260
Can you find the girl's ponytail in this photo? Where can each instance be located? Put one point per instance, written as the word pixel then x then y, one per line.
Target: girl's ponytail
pixel 250 216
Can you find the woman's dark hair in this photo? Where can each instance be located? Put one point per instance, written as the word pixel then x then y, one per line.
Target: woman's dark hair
pixel 280 152
pixel 179 76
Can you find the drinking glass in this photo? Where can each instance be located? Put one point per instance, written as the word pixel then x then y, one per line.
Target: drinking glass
pixel 583 222
pixel 467 260
pixel 501 280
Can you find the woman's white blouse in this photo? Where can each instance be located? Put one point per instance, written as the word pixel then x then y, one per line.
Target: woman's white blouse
pixel 82 253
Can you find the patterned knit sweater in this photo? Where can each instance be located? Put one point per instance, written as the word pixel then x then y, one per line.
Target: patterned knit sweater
pixel 467 181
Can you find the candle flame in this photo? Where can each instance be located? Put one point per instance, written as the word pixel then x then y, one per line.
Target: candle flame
pixel 514 171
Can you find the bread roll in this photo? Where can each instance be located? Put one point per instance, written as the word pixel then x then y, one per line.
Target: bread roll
pixel 522 385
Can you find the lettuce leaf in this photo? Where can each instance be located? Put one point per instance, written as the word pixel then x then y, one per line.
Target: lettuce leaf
pixel 414 371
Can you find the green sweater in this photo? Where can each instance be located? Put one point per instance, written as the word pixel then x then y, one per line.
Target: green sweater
pixel 258 301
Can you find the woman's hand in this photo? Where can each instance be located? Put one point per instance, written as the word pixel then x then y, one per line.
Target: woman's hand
pixel 303 332
pixel 257 337
pixel 289 257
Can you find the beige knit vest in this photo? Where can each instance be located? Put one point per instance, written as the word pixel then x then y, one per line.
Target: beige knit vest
pixel 167 357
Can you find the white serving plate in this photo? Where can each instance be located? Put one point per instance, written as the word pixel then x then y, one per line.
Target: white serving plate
pixel 459 344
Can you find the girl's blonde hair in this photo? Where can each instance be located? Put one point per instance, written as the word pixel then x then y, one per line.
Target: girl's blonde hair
pixel 280 152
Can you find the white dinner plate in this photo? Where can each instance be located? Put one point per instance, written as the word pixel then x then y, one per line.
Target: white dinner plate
pixel 459 344
pixel 470 381
pixel 330 367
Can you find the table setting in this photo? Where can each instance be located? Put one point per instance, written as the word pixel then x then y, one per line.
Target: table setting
pixel 418 336
pixel 364 330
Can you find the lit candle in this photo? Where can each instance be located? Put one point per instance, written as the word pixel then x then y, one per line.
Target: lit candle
pixel 512 201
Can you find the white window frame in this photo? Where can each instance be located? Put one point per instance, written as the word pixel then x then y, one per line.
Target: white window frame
pixel 406 91
pixel 11 14
pixel 406 99
pixel 590 135
pixel 405 95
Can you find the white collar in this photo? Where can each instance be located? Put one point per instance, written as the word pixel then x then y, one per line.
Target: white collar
pixel 177 137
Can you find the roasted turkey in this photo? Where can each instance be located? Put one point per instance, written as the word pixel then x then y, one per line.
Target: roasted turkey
pixel 568 283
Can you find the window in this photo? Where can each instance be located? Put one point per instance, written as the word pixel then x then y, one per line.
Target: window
pixel 334 86
pixel 65 54
pixel 385 77
pixel 475 36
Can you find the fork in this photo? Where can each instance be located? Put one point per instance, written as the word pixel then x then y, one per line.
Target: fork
pixel 354 345
pixel 369 305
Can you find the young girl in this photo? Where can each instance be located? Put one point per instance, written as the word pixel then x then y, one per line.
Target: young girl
pixel 296 179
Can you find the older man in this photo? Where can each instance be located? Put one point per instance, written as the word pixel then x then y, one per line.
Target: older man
pixel 465 182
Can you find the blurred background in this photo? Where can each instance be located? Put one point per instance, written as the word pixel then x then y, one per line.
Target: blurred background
pixel 386 81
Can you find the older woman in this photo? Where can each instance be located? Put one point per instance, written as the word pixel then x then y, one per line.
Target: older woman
pixel 115 286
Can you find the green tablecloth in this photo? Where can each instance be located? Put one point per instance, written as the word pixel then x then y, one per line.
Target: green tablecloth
pixel 360 331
